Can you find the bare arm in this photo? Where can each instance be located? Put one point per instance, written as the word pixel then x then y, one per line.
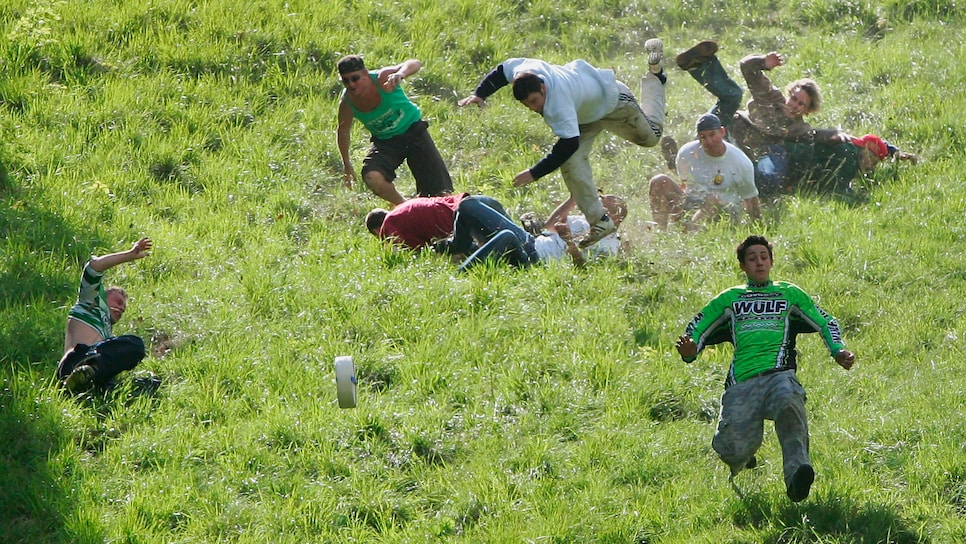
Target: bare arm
pixel 753 207
pixel 138 251
pixel 563 230
pixel 559 215
pixel 390 76
pixel 342 138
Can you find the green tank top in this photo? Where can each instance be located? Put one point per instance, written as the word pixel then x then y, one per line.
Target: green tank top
pixel 392 117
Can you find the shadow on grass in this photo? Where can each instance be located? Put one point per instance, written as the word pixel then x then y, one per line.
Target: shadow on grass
pixel 822 518
pixel 32 501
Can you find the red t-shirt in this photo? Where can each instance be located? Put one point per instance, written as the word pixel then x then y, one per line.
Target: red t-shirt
pixel 422 220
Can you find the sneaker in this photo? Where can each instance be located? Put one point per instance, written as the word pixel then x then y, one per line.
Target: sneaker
pixel 442 246
pixel 669 150
pixel 598 231
pixel 80 379
pixel 697 55
pixel 801 483
pixel 655 55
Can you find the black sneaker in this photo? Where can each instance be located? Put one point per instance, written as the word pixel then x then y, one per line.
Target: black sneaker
pixel 697 55
pixel 80 379
pixel 801 483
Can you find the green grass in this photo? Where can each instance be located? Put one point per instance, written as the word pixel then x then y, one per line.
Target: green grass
pixel 544 405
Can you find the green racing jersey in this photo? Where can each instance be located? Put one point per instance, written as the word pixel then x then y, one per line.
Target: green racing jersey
pixel 761 321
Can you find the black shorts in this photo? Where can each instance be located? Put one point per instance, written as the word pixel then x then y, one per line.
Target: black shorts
pixel 416 147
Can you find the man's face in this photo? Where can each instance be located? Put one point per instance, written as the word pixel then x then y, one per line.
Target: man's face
pixel 712 141
pixel 867 160
pixel 117 304
pixel 757 264
pixel 536 100
pixel 797 103
pixel 355 82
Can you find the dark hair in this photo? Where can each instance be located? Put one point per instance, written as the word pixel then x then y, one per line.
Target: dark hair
pixel 526 84
pixel 753 240
pixel 375 219
pixel 811 88
pixel 350 63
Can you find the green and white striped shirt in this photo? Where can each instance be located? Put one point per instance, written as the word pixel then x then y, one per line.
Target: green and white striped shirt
pixel 91 306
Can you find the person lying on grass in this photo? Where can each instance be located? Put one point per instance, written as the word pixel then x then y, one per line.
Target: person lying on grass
pixel 93 356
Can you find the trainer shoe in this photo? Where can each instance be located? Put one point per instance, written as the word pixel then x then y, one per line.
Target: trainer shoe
pixel 598 231
pixel 669 150
pixel 655 55
pixel 697 55
pixel 80 379
pixel 801 483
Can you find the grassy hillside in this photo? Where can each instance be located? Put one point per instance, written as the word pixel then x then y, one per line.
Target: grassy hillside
pixel 544 405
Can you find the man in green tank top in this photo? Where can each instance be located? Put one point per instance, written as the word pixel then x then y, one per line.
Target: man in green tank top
pixel 761 320
pixel 398 130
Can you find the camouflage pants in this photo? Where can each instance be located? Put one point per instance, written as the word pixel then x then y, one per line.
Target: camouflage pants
pixel 744 407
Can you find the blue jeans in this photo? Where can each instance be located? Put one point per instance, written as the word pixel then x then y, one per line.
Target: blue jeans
pixel 771 171
pixel 712 76
pixel 504 238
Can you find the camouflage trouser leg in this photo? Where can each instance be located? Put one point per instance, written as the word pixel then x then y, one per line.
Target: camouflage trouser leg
pixel 745 406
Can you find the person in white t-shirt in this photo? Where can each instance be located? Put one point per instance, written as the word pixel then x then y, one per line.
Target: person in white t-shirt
pixel 578 101
pixel 562 224
pixel 716 178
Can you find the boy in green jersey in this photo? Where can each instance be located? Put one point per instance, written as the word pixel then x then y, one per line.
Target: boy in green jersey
pixel 761 319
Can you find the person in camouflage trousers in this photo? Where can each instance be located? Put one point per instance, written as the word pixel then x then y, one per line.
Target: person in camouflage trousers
pixel 762 319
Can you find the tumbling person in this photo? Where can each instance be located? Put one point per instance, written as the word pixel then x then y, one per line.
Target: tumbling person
pixel 759 318
pixel 578 101
pixel 717 177
pixel 398 130
pixel 93 356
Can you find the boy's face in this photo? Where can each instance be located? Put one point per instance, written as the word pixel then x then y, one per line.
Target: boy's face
pixel 355 82
pixel 757 264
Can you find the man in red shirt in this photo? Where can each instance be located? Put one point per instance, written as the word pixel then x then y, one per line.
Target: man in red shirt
pixel 420 221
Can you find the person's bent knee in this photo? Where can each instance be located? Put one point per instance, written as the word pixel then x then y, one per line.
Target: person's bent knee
pixel 661 184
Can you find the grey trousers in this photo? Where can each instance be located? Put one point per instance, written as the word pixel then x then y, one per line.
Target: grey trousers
pixel 641 124
pixel 744 407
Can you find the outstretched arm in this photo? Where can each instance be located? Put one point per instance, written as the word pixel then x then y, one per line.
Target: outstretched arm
pixel 493 82
pixel 138 251
pixel 390 76
pixel 563 230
